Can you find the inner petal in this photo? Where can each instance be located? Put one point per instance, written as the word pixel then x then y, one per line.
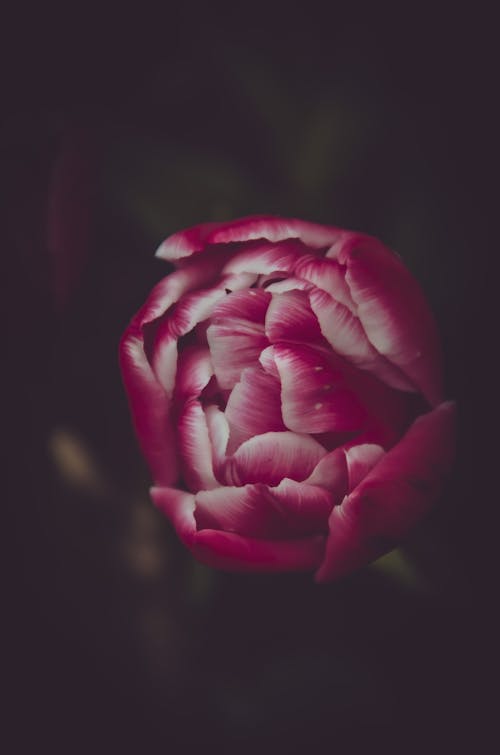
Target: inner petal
pixel 254 407
pixel 315 396
pixel 270 457
pixel 289 317
pixel 236 335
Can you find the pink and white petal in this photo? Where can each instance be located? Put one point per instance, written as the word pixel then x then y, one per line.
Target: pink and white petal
pixel 270 457
pixel 192 309
pixel 268 363
pixel 236 336
pixel 227 550
pixel 391 499
pixel 360 460
pixel 314 395
pixel 289 317
pixel 275 229
pixel 233 351
pixel 254 407
pixel 186 242
pixel 195 448
pixel 327 275
pixel 331 473
pixel 170 289
pixel 345 333
pixel 242 307
pixel 150 407
pixel 264 257
pixel 232 552
pixel 304 508
pixel 248 510
pixel 194 370
pixel 218 432
pixel 394 313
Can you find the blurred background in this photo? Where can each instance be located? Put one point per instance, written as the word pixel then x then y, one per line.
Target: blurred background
pixel 120 128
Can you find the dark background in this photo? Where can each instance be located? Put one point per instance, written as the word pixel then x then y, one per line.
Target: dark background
pixel 120 128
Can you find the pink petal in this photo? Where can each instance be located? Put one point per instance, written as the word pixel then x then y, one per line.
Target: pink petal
pixel 314 395
pixel 192 309
pixel 270 457
pixel 169 290
pixel 394 313
pixel 290 318
pixel 225 550
pixel 196 239
pixel 195 448
pixel 236 336
pixel 218 432
pixel 360 460
pixel 249 510
pixel 254 407
pixel 331 473
pixel 344 332
pixel 326 275
pixel 194 371
pixel 389 501
pixel 150 408
pixel 305 507
pixel 265 257
pixel 275 229
pixel 291 509
pixel 268 362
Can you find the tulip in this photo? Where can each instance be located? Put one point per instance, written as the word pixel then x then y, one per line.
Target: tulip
pixel 285 384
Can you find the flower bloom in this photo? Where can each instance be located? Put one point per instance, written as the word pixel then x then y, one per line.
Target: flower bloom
pixel 285 385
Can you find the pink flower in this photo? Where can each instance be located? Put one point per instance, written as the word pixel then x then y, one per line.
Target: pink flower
pixel 285 385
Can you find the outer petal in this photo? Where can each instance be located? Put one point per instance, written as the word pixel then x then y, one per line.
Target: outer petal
pixel 270 457
pixel 314 396
pixel 195 448
pixel 327 275
pixel 394 313
pixel 195 239
pixel 254 407
pixel 291 509
pixel 227 550
pixel 392 497
pixel 345 333
pixel 150 408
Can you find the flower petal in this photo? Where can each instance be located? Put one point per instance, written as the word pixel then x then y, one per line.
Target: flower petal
pixel 289 510
pixel 305 507
pixel 198 273
pixel 326 275
pixel 344 332
pixel 254 407
pixel 195 447
pixel 194 371
pixel 389 501
pixel 270 457
pixel 289 318
pixel 218 431
pixel 314 395
pixel 150 408
pixel 331 473
pixel 226 550
pixel 264 257
pixel 236 335
pixel 360 460
pixel 394 313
